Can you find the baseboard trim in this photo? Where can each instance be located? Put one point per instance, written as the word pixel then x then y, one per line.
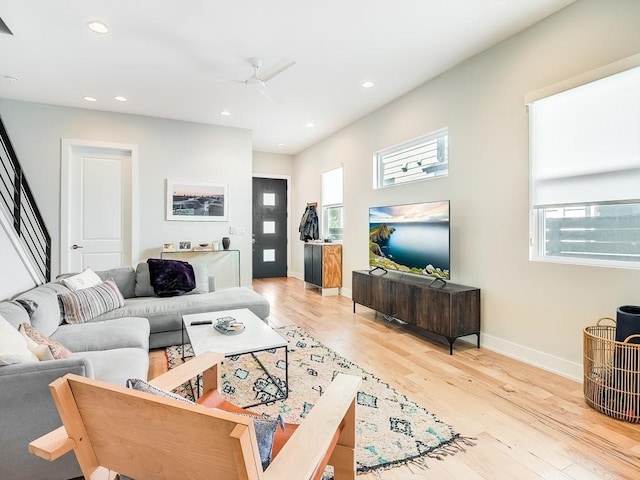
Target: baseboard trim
pixel 545 361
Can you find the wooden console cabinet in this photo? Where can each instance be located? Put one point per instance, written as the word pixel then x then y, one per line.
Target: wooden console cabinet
pixel 323 266
pixel 451 310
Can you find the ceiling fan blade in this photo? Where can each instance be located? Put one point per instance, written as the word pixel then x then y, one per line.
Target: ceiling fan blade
pixel 267 93
pixel 277 69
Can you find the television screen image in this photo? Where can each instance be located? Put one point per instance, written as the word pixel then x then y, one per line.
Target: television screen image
pixel 411 238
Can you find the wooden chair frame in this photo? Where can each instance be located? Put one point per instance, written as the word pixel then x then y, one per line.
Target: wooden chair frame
pixel 114 430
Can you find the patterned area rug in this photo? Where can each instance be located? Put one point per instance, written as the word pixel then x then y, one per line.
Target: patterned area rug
pixel 392 430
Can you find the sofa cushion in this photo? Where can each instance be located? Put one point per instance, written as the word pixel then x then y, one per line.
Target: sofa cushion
pixel 46 318
pixel 85 279
pixel 85 304
pixel 58 350
pixel 165 314
pixel 128 332
pixel 143 281
pixel 171 277
pixel 13 346
pixel 124 277
pixel 14 313
pixel 118 365
pixel 201 278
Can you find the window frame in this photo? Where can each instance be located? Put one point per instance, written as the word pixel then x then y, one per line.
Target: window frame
pixel 328 206
pixel 538 228
pixel 424 141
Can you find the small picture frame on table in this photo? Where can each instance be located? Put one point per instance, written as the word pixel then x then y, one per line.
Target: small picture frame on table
pixel 184 246
pixel 168 247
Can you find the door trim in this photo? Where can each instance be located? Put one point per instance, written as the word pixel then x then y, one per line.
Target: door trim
pixel 68 147
pixel 289 233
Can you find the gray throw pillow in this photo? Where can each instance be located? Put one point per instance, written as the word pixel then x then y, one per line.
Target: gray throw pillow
pixel 142 386
pixel 265 433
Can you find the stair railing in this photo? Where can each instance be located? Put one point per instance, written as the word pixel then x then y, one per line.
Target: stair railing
pixel 21 207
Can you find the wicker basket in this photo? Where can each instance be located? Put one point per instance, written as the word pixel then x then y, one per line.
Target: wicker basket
pixel 612 372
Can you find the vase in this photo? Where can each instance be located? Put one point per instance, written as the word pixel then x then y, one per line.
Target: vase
pixel 628 323
pixel 226 241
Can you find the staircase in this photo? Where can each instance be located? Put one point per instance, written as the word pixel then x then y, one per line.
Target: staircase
pixel 20 215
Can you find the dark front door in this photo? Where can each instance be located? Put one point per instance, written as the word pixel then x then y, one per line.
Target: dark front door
pixel 269 227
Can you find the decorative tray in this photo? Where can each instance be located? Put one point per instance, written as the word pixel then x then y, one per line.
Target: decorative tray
pixel 229 326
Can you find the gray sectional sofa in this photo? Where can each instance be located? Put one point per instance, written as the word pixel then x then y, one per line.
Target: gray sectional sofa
pixel 165 314
pixel 111 347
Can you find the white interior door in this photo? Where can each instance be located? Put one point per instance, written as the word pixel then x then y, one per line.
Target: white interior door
pixel 97 205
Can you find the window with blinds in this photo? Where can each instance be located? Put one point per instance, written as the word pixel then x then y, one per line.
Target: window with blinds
pixel 332 209
pixel 418 159
pixel 585 173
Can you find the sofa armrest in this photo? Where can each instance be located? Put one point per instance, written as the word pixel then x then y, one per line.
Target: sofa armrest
pixel 206 365
pixel 28 412
pixel 33 372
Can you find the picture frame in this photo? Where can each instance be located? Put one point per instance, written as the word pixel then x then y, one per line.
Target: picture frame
pixel 189 201
pixel 184 246
pixel 168 247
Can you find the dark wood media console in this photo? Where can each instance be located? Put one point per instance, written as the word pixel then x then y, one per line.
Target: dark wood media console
pixel 449 310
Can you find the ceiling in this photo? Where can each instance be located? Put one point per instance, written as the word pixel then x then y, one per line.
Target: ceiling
pixel 186 60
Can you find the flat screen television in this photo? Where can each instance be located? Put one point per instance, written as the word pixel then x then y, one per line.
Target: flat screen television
pixel 412 238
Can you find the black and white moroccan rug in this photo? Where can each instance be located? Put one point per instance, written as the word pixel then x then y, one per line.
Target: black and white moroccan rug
pixel 392 430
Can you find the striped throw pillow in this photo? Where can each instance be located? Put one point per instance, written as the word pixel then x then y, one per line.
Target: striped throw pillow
pixel 83 305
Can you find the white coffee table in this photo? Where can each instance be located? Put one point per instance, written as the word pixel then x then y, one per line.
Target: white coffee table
pixel 256 337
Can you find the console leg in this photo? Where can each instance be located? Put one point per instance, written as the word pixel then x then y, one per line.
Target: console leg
pixel 451 340
pixel 478 335
pixel 354 307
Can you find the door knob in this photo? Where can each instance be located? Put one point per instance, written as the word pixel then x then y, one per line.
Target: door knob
pixel 75 247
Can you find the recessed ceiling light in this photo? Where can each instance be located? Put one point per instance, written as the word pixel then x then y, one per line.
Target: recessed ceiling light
pixel 368 84
pixel 120 98
pixel 281 144
pixel 310 125
pixel 226 113
pixel 10 79
pixel 90 99
pixel 98 26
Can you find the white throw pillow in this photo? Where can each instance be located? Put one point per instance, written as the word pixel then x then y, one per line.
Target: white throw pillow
pixel 13 346
pixel 88 278
pixel 43 352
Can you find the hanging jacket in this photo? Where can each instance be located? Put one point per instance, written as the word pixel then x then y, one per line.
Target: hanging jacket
pixel 309 225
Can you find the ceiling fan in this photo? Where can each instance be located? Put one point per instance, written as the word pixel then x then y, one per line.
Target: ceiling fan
pixel 259 79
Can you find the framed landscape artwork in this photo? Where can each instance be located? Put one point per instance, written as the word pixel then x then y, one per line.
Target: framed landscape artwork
pixel 197 201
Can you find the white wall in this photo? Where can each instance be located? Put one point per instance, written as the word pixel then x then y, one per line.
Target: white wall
pixel 16 277
pixel 534 311
pixel 167 149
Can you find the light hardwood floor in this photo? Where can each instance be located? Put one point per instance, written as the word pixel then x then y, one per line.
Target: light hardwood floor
pixel 528 423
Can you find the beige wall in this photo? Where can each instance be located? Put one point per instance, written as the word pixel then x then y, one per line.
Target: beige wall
pixel 166 149
pixel 533 311
pixel 272 164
